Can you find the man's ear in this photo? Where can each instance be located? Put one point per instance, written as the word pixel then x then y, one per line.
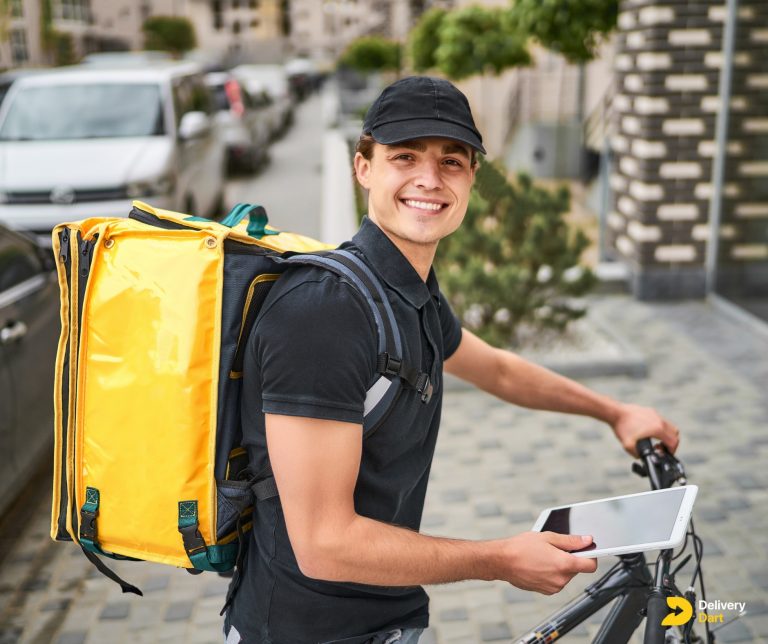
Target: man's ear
pixel 362 170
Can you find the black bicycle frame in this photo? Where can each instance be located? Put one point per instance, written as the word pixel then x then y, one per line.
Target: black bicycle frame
pixel 630 585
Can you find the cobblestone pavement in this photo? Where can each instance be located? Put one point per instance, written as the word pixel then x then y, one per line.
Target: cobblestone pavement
pixel 496 467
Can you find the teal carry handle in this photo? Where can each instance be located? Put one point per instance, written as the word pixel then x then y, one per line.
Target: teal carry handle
pixel 257 219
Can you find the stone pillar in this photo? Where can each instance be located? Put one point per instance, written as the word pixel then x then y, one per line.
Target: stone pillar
pixel 743 257
pixel 667 71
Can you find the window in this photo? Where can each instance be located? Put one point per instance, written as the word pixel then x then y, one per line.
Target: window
pixel 255 23
pixel 78 10
pixel 190 94
pixel 218 20
pixel 236 27
pixel 235 4
pixel 17 9
pixel 253 4
pixel 19 52
pixel 87 111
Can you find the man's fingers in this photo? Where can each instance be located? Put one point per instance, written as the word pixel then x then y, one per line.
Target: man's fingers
pixel 673 435
pixel 586 565
pixel 569 542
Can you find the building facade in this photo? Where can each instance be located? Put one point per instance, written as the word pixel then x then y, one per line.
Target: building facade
pixel 249 29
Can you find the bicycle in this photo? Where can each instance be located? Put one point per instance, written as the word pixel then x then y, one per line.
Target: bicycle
pixel 637 592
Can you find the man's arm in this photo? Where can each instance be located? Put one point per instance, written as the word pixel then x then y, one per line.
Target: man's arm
pixel 316 464
pixel 514 379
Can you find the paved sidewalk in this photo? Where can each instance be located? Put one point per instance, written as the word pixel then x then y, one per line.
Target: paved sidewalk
pixel 496 467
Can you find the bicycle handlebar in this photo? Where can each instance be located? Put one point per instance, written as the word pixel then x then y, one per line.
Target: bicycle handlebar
pixel 659 465
pixel 645 450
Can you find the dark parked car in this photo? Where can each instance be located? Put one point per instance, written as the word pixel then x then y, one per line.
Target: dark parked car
pixel 29 329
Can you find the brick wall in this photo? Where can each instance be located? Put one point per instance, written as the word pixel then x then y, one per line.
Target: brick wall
pixel 667 71
pixel 743 257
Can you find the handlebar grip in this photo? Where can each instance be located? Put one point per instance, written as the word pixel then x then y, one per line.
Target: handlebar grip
pixel 644 447
pixel 657 611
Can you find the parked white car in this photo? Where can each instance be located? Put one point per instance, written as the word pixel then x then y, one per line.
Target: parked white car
pixel 274 80
pixel 84 141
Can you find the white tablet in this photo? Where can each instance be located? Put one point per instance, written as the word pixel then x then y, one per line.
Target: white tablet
pixel 625 524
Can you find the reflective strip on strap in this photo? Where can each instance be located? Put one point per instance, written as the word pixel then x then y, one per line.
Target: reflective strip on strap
pixel 374 395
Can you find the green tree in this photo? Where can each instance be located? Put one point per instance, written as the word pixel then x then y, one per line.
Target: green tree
pixel 573 28
pixel 63 48
pixel 424 39
pixel 514 262
pixel 47 32
pixel 371 54
pixel 169 33
pixel 478 40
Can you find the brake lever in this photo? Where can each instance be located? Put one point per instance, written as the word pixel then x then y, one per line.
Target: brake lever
pixel 667 468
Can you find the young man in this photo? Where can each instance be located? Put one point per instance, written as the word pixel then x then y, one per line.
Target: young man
pixel 337 557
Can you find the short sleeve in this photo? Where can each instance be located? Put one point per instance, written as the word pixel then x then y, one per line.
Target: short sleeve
pixel 451 328
pixel 315 347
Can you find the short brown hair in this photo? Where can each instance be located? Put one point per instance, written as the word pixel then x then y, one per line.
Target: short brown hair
pixel 366 142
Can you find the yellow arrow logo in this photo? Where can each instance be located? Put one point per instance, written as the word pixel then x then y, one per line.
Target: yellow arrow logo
pixel 682 611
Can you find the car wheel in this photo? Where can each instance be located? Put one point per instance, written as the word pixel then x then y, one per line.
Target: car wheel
pixel 252 162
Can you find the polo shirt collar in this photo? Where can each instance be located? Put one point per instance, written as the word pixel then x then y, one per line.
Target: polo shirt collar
pixel 392 266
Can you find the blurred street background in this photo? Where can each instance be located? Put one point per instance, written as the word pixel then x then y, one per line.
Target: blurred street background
pixel 627 165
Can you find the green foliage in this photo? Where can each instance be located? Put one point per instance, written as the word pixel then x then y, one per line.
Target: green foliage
pixel 476 40
pixel 424 40
pixel 5 19
pixel 570 27
pixel 514 262
pixel 372 53
pixel 63 48
pixel 169 33
pixel 47 37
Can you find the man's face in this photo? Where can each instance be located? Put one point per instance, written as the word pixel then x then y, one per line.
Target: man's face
pixel 418 189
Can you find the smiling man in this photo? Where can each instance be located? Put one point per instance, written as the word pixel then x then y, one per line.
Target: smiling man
pixel 337 557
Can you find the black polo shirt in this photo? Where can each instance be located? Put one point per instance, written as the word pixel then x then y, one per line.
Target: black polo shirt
pixel 312 353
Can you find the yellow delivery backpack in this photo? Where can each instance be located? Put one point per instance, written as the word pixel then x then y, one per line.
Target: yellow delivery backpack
pixel 156 310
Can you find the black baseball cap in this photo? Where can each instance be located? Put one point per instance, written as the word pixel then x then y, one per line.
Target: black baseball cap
pixel 418 107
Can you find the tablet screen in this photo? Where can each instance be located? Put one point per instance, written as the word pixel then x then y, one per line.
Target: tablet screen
pixel 647 518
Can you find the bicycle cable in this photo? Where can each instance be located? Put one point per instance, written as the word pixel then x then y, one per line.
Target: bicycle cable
pixel 698 548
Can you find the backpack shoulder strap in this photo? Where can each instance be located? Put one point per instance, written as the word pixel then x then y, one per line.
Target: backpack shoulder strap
pixel 393 372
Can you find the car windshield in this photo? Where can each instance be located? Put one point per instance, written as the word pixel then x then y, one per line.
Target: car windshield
pixel 84 111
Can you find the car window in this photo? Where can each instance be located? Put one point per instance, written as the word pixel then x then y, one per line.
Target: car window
pixel 202 100
pixel 220 98
pixel 191 95
pixel 83 111
pixel 18 260
pixel 4 87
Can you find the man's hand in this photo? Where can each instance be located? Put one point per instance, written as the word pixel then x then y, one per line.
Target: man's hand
pixel 635 422
pixel 541 561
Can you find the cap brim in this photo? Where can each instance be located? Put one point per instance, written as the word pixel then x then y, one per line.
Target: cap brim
pixel 399 131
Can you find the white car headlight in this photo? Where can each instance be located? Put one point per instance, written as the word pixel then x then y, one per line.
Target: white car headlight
pixel 163 185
